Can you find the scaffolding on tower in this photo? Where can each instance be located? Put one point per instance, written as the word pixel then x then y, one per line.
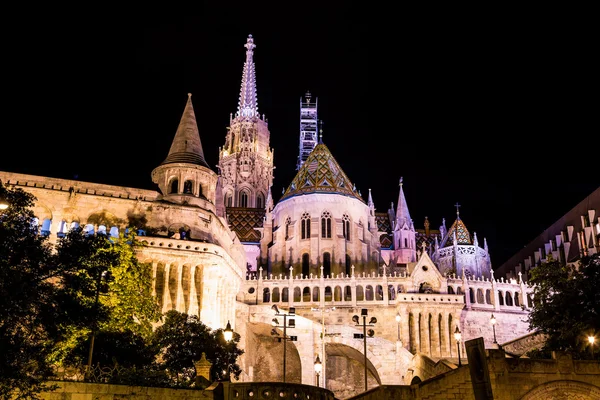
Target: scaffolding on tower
pixel 308 128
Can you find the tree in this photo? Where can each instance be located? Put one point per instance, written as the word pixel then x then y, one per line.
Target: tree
pixel 52 298
pixel 183 338
pixel 567 304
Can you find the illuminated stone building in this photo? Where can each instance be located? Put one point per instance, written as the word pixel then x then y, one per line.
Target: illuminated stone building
pixel 221 248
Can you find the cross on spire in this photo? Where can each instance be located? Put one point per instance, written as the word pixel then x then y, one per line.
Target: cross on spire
pixel 457 206
pixel 400 181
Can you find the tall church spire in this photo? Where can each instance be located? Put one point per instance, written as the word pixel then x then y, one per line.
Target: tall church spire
pixel 248 105
pixel 402 214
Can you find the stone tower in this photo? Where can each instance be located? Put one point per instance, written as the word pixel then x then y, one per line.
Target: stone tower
pixel 246 161
pixel 184 177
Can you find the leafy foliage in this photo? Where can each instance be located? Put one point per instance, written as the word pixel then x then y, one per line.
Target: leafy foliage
pixel 567 304
pixel 183 338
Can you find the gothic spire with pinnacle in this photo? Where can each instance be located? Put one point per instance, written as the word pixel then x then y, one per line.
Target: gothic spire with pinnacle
pixel 186 146
pixel 402 214
pixel 248 105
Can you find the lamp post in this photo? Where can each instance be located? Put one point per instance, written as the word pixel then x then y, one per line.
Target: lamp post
pixel 363 313
pixel 318 368
pixel 285 338
pixel 101 274
pixel 228 335
pixel 398 318
pixel 457 336
pixel 493 322
pixel 591 340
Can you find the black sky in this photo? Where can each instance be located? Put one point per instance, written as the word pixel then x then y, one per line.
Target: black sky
pixel 494 114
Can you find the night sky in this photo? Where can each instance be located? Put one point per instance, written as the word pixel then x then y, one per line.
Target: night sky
pixel 494 114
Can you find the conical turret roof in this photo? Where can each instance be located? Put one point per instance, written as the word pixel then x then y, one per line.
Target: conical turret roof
pixel 186 146
pixel 462 233
pixel 321 173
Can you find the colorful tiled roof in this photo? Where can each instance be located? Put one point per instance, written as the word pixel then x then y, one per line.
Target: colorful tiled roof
pixel 321 173
pixel 462 234
pixel 244 221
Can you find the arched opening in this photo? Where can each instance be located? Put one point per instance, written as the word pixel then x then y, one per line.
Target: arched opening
pixel 327 264
pixel 228 200
pixel 200 192
pixel 348 293
pixel 266 295
pixel 415 380
pixel 488 298
pixel 174 186
pixel 305 226
pixel 346 226
pixel 306 294
pixel 305 264
pixel 260 200
pixel 337 294
pixel 480 298
pixel 285 295
pixel 243 199
pixel 471 295
pixel 316 294
pixel 500 298
pixel 391 292
pixel 276 295
pixel 450 290
pixel 328 293
pixel 379 293
pixel 369 292
pixel 509 300
pixel 326 225
pixel 360 294
pixel 187 187
pixel 297 295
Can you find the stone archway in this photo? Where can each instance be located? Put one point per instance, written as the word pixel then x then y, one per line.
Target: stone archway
pixel 266 356
pixel 346 371
pixel 563 390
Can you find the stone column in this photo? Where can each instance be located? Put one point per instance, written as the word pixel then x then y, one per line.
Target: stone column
pixel 179 302
pixel 167 303
pixel 193 308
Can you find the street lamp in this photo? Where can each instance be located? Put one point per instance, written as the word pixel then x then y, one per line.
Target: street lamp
pixel 228 333
pixel 591 340
pixel 285 338
pixel 318 368
pixel 457 336
pixel 363 313
pixel 398 318
pixel 3 201
pixel 493 322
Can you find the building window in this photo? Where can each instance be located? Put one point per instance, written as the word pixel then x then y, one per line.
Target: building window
pixel 228 200
pixel 200 190
pixel 243 199
pixel 305 226
pixel 346 226
pixel 288 221
pixel 326 225
pixel 260 201
pixel 174 186
pixel 187 187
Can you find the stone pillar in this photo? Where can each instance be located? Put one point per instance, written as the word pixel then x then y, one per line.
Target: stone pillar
pixel 167 303
pixel 290 288
pixel 193 308
pixel 202 370
pixel 494 293
pixel 425 336
pixel 154 268
pixel 179 302
pixel 444 335
pixel 434 333
pixel 415 344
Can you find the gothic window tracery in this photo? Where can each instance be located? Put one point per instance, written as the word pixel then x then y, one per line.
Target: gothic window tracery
pixel 326 225
pixel 305 226
pixel 346 226
pixel 260 200
pixel 243 199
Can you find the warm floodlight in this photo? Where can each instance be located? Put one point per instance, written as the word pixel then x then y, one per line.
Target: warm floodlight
pixel 228 332
pixel 355 319
pixel 371 332
pixel 398 318
pixel 318 365
pixel 591 339
pixel 493 320
pixel 373 320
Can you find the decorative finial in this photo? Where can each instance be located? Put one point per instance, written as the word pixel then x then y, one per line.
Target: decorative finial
pixel 400 181
pixel 189 95
pixel 457 206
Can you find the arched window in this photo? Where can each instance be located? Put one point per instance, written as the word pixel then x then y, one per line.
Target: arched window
pixel 174 186
pixel 243 199
pixel 326 225
pixel 305 226
pixel 228 200
pixel 405 242
pixel 260 200
pixel 288 221
pixel 326 264
pixel 305 264
pixel 346 226
pixel 187 187
pixel 200 190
